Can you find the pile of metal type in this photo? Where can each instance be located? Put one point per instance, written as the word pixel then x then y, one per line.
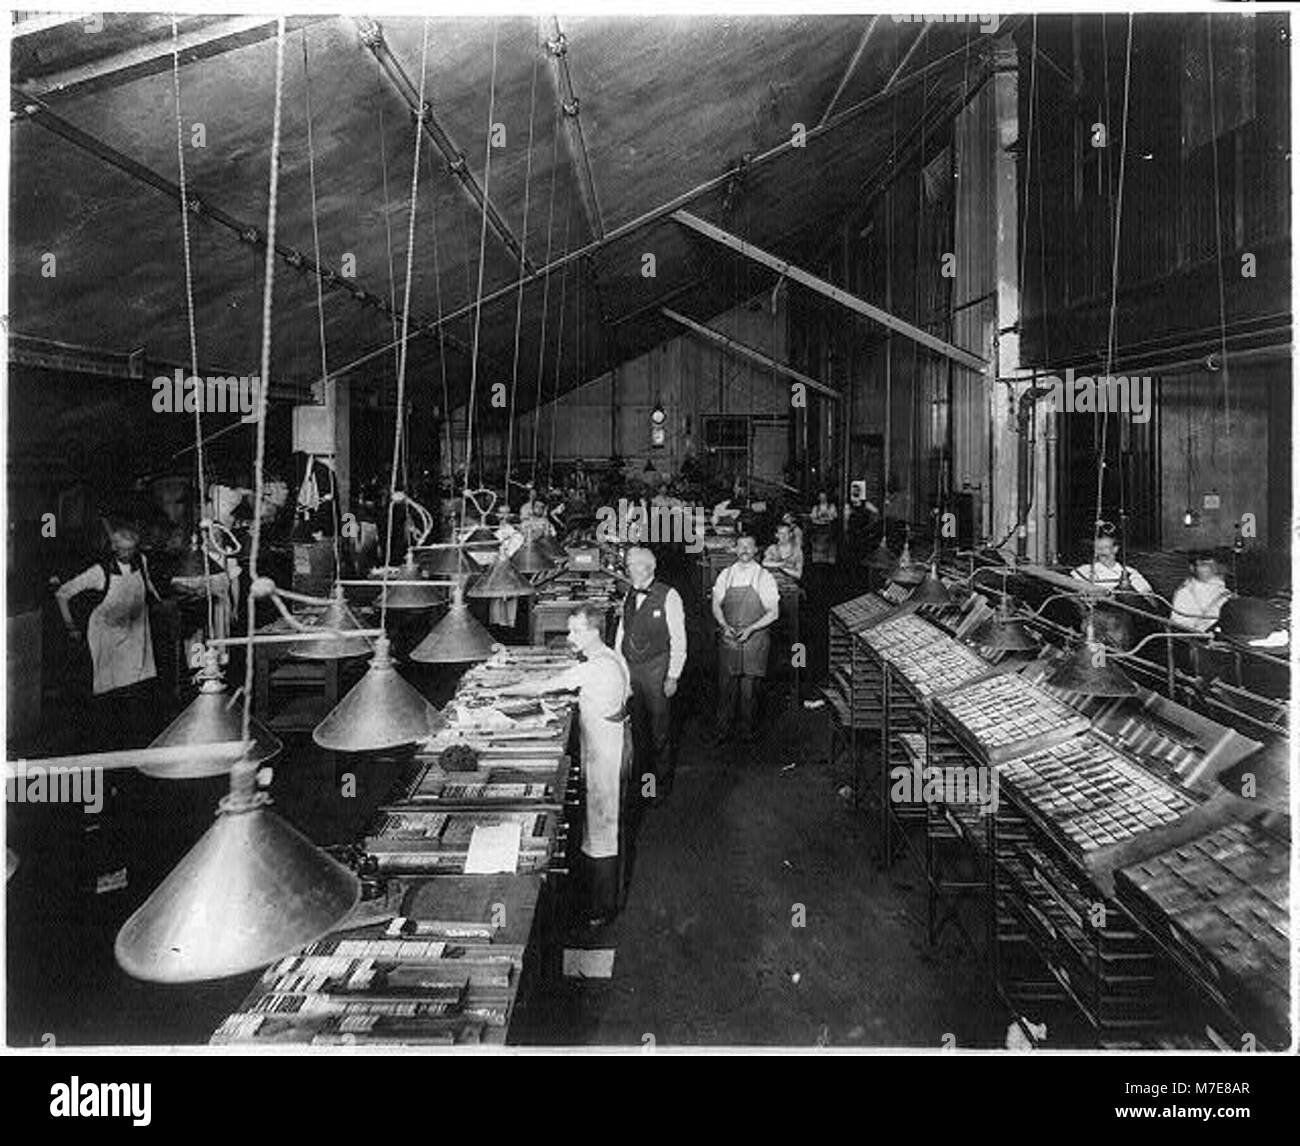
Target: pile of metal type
pixel 1220 904
pixel 396 982
pixel 936 667
pixel 1090 797
pixel 1005 716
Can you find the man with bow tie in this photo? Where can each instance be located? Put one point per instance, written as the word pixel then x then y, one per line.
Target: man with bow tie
pixel 652 638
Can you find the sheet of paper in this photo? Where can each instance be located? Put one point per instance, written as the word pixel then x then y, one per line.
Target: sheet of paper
pixel 493 849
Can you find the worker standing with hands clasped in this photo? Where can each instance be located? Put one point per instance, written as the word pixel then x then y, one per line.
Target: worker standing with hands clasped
pixel 601 682
pixel 746 601
pixel 652 639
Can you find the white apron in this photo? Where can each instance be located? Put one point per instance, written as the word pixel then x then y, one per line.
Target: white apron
pixel 121 646
pixel 605 747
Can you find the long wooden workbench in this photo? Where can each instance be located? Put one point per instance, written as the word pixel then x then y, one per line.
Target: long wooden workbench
pixel 434 955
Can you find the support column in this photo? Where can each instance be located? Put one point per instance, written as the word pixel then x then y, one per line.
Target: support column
pixel 1008 386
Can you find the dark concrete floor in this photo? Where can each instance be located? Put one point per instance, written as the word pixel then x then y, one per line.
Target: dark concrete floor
pixel 707 950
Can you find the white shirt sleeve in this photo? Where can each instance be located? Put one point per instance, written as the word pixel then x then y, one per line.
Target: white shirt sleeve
pixel 722 584
pixel 768 592
pixel 676 617
pixel 1140 584
pixel 92 578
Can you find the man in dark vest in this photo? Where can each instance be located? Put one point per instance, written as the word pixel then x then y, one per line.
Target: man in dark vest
pixel 652 639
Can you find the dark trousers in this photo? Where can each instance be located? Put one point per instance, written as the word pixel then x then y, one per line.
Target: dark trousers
pixel 729 689
pixel 652 727
pixel 126 717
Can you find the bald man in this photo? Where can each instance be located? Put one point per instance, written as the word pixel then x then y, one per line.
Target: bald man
pixel 652 638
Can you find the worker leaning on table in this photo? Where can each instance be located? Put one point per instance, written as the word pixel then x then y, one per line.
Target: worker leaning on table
pixel 602 683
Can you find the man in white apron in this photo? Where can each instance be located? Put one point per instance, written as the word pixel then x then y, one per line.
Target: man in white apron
pixel 117 632
pixel 746 600
pixel 602 684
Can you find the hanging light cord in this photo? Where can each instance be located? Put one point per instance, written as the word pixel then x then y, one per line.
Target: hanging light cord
pixel 1218 250
pixel 519 299
pixel 559 344
pixel 482 250
pixel 546 302
pixel 1114 269
pixel 200 470
pixel 406 326
pixel 442 341
pixel 326 384
pixel 268 286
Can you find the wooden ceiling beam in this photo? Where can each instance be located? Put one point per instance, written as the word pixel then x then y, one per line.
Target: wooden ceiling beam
pixel 372 36
pixel 829 290
pixel 569 108
pixel 743 350
pixel 202 43
pixel 664 210
pixel 37 112
pixel 848 72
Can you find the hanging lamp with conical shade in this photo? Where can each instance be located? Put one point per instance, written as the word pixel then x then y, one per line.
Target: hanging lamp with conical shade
pixel 1089 671
pixel 881 558
pixel 481 535
pixel 1003 633
pixel 458 638
pixel 531 559
pixel 931 590
pixel 340 618
pixel 252 890
pixel 447 561
pixel 408 598
pixel 210 718
pixel 501 580
pixel 907 571
pixel 381 712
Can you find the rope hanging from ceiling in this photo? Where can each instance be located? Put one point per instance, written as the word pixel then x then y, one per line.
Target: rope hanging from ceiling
pixel 523 258
pixel 546 300
pixel 1218 262
pixel 1114 270
pixel 482 251
pixel 200 470
pixel 327 384
pixel 268 288
pixel 399 415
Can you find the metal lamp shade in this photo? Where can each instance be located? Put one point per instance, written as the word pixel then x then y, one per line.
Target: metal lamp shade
pixel 481 535
pixel 530 559
pixel 446 563
pixel 931 591
pixel 210 718
pixel 408 598
pixel 501 580
pixel 456 639
pixel 1090 672
pixel 881 558
pixel 1003 634
pixel 907 572
pixel 381 712
pixel 1249 618
pixel 337 616
pixel 252 890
